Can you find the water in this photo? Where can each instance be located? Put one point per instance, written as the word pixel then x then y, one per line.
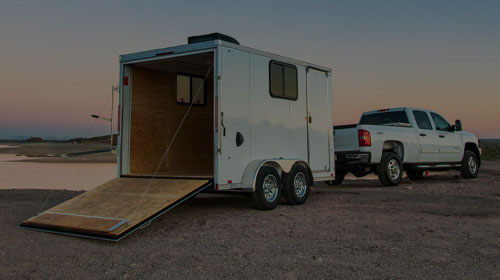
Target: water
pixel 41 175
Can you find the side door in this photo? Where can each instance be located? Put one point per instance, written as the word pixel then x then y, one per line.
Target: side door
pixel 234 129
pixel 450 142
pixel 318 120
pixel 428 141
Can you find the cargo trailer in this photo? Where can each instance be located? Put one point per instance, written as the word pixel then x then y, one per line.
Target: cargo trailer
pixel 211 116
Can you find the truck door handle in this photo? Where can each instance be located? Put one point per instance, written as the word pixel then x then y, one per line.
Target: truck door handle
pixel 441 136
pixel 310 119
pixel 423 134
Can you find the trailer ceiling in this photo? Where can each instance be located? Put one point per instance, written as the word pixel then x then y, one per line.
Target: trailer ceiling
pixel 195 64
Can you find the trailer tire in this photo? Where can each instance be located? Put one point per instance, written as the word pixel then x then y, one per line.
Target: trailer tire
pixel 296 187
pixel 267 192
pixel 469 167
pixel 390 169
pixel 339 178
pixel 414 175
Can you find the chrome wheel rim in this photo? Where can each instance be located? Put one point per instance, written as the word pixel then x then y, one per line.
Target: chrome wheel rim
pixel 270 188
pixel 394 169
pixel 472 165
pixel 300 184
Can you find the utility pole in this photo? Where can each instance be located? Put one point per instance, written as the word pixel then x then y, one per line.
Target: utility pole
pixel 110 119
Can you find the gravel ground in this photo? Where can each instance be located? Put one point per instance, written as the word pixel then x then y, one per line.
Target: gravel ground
pixel 442 227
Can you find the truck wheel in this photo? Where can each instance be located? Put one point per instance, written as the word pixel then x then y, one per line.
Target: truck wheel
pixel 415 175
pixel 296 187
pixel 267 192
pixel 469 167
pixel 390 169
pixel 339 178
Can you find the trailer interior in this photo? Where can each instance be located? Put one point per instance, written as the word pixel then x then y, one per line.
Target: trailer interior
pixel 161 93
pixel 170 99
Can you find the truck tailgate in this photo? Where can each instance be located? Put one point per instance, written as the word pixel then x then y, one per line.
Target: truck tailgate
pixel 346 138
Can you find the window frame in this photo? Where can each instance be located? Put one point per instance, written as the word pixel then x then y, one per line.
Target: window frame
pixel 434 122
pixel 406 124
pixel 428 118
pixel 191 76
pixel 283 64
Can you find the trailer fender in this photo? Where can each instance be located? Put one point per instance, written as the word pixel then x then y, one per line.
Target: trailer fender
pixel 281 165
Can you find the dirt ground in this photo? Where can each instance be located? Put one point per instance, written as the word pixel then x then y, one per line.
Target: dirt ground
pixel 442 227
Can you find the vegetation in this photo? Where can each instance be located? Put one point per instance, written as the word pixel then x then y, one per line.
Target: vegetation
pixel 490 151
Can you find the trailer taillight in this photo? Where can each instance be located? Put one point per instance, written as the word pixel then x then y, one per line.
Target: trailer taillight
pixel 125 80
pixel 364 138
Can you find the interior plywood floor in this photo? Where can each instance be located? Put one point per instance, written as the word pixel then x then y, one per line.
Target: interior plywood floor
pixel 130 199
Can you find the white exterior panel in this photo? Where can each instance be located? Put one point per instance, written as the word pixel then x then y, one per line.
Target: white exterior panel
pixel 234 115
pixel 319 125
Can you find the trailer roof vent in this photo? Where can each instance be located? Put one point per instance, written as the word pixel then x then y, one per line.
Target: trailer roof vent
pixel 211 37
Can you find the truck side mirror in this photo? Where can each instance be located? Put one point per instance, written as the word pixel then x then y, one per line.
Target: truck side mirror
pixel 458 125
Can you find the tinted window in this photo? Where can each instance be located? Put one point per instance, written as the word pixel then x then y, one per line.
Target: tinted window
pixel 397 118
pixel 290 82
pixel 440 122
pixel 190 89
pixel 276 79
pixel 283 80
pixel 197 91
pixel 422 119
pixel 183 89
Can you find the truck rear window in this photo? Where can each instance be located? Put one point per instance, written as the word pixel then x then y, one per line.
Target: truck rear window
pixel 396 118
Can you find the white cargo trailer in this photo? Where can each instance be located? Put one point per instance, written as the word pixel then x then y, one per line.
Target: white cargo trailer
pixel 218 117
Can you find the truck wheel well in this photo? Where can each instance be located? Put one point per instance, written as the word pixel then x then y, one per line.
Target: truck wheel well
pixel 396 147
pixel 473 147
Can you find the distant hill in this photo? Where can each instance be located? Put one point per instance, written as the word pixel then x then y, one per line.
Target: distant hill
pixel 489 140
pixel 104 138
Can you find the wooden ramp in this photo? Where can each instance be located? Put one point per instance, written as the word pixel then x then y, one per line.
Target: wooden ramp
pixel 116 208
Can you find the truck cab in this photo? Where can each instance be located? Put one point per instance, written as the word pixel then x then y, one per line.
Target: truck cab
pixel 388 141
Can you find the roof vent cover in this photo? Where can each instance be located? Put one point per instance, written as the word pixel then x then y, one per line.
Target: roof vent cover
pixel 211 37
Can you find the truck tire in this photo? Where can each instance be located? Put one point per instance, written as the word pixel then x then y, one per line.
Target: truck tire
pixel 296 185
pixel 390 169
pixel 267 192
pixel 469 167
pixel 339 178
pixel 415 175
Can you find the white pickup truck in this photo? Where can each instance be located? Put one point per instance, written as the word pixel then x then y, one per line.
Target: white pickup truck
pixel 388 141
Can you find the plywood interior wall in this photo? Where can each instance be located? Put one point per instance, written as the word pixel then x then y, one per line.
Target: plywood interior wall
pixel 155 116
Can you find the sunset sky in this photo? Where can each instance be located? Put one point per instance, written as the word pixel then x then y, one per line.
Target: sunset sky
pixel 59 59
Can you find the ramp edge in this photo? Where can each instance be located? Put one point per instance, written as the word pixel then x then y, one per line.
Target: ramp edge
pixel 140 225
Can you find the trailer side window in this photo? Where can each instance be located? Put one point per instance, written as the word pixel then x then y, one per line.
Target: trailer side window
pixel 283 80
pixel 190 90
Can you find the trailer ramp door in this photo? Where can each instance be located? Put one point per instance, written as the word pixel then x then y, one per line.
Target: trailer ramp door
pixel 116 208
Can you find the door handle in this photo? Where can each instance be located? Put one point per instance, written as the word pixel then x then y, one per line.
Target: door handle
pixel 310 119
pixel 423 134
pixel 441 136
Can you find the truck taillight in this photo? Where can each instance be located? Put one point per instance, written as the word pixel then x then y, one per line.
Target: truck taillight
pixel 364 138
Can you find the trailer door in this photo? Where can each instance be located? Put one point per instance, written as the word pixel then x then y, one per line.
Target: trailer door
pixel 318 120
pixel 234 116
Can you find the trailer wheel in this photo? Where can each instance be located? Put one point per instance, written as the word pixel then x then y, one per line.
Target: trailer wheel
pixel 339 178
pixel 390 169
pixel 469 167
pixel 267 192
pixel 415 175
pixel 296 186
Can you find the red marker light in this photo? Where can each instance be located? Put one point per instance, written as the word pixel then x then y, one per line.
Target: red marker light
pixel 125 80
